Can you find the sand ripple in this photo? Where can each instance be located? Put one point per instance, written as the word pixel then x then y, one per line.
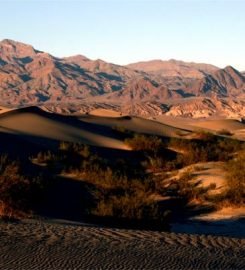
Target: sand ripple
pixel 45 245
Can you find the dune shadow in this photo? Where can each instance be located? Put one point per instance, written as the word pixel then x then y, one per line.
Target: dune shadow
pixel 23 146
pixel 71 200
pixel 66 199
pixel 71 121
pixel 182 211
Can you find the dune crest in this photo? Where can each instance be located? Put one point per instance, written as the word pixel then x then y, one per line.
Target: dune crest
pixel 36 123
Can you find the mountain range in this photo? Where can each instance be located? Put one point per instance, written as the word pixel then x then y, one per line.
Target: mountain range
pixel 79 84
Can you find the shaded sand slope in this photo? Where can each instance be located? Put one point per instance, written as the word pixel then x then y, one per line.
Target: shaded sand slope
pixel 34 123
pixel 48 245
pixel 229 124
pixel 214 125
pixel 236 127
pixel 136 124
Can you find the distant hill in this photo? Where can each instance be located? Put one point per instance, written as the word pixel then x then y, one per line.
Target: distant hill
pixel 31 77
pixel 174 68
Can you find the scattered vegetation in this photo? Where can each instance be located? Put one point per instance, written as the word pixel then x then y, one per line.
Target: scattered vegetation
pixel 235 191
pixel 208 148
pixel 17 191
pixel 126 188
pixel 186 188
pixel 146 143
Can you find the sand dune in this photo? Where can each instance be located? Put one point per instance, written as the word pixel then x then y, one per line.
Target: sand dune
pixel 236 127
pixel 211 124
pixel 36 123
pixel 216 125
pixel 57 244
pixel 49 245
pixel 137 124
pixel 105 113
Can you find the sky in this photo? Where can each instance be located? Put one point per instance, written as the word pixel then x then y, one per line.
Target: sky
pixel 122 32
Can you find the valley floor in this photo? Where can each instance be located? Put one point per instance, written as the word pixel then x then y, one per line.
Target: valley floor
pixel 33 244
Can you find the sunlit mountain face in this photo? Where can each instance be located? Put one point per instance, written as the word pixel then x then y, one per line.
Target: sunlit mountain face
pixel 31 77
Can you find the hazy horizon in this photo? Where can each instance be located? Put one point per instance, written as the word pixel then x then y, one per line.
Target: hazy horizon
pixel 124 32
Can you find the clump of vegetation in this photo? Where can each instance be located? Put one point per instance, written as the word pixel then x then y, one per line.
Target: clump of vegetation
pixel 17 191
pixel 154 163
pixel 126 188
pixel 235 191
pixel 190 190
pixel 131 202
pixel 45 157
pixel 204 135
pixel 145 143
pixel 75 148
pixel 118 196
pixel 209 148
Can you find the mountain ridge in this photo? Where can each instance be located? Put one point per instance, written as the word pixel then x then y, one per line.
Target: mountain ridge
pixel 32 77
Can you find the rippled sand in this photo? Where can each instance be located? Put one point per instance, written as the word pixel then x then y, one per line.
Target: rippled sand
pixel 49 245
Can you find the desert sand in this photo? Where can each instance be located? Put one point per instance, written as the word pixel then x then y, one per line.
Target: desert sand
pixel 136 124
pixel 35 123
pixel 234 126
pixel 105 113
pixel 95 129
pixel 212 241
pixel 52 245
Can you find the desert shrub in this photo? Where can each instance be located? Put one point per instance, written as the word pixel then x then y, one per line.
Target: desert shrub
pixel 189 190
pixel 235 191
pixel 45 157
pixel 211 148
pixel 14 188
pixel 136 205
pixel 103 178
pixel 75 148
pixel 230 146
pixel 119 196
pixel 193 153
pixel 133 201
pixel 142 142
pixel 154 163
pixel 69 156
pixel 204 135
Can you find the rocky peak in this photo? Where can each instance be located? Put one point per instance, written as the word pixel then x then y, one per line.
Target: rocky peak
pixel 11 50
pixel 229 76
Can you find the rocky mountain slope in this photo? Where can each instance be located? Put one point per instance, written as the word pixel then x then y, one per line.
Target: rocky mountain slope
pixel 174 68
pixel 79 84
